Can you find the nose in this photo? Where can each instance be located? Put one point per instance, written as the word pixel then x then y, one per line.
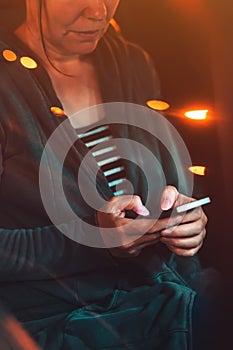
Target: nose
pixel 96 10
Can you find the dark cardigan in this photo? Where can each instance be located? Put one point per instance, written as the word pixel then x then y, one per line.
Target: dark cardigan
pixel 56 287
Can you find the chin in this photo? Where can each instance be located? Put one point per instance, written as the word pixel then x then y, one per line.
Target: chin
pixel 83 49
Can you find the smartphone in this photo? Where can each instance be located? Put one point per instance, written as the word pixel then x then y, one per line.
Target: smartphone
pixel 173 211
pixel 185 207
pixel 192 205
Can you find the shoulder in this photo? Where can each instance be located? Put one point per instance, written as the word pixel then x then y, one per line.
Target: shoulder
pixel 133 64
pixel 126 49
pixel 7 41
pixel 9 53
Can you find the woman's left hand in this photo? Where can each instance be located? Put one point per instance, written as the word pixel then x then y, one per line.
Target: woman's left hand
pixel 187 238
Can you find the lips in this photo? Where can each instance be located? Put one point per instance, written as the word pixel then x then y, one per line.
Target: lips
pixel 88 31
pixel 87 34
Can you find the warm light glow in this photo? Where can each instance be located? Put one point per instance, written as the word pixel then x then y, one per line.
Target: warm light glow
pixel 57 111
pixel 9 55
pixel 158 105
pixel 198 170
pixel 200 114
pixel 28 62
pixel 115 25
pixel 13 331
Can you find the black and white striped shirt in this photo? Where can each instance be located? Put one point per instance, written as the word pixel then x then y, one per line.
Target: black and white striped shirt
pixel 107 157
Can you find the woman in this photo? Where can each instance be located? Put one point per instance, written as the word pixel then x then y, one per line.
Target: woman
pixel 68 295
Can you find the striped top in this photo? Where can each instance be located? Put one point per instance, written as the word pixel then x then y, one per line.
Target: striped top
pixel 107 157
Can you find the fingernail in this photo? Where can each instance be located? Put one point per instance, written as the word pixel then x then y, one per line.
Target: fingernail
pixel 143 211
pixel 166 204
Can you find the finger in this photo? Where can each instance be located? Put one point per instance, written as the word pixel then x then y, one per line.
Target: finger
pixel 122 232
pixel 185 243
pixel 150 226
pixel 194 215
pixel 166 223
pixel 134 227
pixel 185 230
pixel 137 251
pixel 125 253
pixel 185 252
pixel 121 203
pixel 134 248
pixel 169 197
pixel 146 239
pixel 149 243
pixel 136 205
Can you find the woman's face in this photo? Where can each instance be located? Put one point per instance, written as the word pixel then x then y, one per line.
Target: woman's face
pixel 75 26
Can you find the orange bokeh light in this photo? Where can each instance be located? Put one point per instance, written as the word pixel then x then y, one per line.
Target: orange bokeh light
pixel 198 170
pixel 198 114
pixel 28 62
pixel 158 105
pixel 57 111
pixel 9 55
pixel 115 25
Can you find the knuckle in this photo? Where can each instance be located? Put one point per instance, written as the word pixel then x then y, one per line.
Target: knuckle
pixel 205 218
pixel 199 211
pixel 191 252
pixel 137 199
pixel 125 248
pixel 199 226
pixel 170 187
pixel 204 233
pixel 133 252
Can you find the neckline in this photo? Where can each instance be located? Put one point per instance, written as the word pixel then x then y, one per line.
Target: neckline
pixel 18 44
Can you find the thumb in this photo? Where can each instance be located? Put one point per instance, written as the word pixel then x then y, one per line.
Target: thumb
pixel 136 205
pixel 168 198
pixel 126 202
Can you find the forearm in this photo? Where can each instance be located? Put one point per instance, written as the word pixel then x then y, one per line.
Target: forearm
pixel 23 250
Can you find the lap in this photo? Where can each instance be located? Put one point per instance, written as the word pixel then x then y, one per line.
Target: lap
pixel 154 316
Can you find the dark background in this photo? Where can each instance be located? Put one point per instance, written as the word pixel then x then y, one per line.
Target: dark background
pixel 192 47
pixel 191 44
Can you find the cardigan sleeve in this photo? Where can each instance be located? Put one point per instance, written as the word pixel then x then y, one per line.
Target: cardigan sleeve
pixel 42 252
pixel 21 249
